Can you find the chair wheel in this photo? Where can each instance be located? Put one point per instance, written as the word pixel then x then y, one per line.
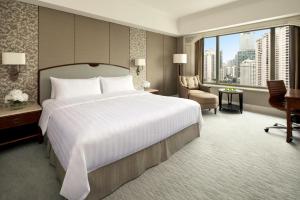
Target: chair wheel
pixel 266 130
pixel 276 124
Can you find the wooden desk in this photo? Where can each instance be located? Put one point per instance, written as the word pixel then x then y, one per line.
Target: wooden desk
pixel 292 103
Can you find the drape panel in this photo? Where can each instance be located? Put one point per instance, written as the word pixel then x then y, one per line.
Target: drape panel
pixel 199 49
pixel 295 57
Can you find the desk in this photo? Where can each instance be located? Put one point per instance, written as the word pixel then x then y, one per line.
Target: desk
pixel 292 103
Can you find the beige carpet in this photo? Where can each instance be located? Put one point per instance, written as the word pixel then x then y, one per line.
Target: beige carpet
pixel 233 159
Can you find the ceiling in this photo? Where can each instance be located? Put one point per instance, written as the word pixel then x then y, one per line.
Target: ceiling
pixel 180 8
pixel 176 17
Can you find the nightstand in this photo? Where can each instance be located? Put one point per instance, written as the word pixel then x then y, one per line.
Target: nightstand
pixel 153 91
pixel 20 125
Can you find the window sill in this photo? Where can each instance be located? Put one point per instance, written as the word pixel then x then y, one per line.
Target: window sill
pixel 237 87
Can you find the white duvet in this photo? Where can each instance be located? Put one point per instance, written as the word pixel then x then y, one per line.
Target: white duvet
pixel 91 132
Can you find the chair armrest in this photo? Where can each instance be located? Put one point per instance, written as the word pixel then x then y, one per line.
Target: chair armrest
pixel 183 92
pixel 204 88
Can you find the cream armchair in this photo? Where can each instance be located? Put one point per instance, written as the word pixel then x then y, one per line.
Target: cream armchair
pixel 190 87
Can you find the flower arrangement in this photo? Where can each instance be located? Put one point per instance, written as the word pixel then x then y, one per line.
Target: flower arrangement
pixel 146 84
pixel 230 89
pixel 16 98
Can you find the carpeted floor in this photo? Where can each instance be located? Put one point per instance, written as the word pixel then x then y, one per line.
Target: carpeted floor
pixel 233 159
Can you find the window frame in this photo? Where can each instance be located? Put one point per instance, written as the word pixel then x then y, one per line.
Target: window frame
pixel 272 56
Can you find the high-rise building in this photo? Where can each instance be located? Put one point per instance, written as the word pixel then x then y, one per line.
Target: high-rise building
pixel 247 41
pixel 209 68
pixel 262 51
pixel 248 72
pixel 282 52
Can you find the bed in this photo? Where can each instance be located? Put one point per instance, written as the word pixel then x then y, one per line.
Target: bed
pixel 99 142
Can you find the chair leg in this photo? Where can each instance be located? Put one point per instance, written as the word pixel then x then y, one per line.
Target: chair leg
pixel 215 111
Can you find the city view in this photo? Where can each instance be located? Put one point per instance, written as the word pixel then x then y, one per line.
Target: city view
pixel 244 58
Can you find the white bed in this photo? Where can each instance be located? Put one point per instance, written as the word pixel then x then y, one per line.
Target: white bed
pixel 87 133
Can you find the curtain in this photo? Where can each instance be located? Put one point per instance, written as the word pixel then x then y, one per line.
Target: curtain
pixel 199 48
pixel 295 57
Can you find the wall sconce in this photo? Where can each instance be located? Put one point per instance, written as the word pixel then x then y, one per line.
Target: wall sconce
pixel 14 60
pixel 140 63
pixel 179 59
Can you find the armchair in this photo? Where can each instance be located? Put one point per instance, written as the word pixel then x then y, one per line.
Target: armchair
pixel 190 87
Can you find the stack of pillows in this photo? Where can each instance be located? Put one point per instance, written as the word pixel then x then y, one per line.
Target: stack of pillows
pixel 71 88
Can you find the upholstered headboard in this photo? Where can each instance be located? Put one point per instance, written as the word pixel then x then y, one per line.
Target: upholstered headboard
pixel 75 71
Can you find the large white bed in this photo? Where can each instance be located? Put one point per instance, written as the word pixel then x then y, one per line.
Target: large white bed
pixel 91 132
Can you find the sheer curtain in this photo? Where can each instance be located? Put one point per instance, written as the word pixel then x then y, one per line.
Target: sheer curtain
pixel 199 48
pixel 295 57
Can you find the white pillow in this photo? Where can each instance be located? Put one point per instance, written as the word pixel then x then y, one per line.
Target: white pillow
pixel 70 88
pixel 116 84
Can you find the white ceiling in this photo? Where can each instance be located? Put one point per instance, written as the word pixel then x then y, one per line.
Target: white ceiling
pixel 180 8
pixel 176 17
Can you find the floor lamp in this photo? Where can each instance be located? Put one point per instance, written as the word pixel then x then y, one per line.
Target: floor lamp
pixel 179 59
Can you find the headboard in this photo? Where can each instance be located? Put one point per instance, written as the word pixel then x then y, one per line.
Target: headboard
pixel 75 71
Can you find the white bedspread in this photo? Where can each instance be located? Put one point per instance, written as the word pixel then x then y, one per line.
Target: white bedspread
pixel 91 132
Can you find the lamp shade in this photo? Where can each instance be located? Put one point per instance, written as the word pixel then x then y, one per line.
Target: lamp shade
pixel 180 58
pixel 9 58
pixel 139 62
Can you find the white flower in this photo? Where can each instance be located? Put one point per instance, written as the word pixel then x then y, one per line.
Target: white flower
pixel 16 95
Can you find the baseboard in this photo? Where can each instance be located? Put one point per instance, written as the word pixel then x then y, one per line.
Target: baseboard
pixel 263 110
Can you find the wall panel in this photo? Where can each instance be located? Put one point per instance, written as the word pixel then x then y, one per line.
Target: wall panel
pixel 170 69
pixel 119 45
pixel 91 40
pixel 56 38
pixel 155 64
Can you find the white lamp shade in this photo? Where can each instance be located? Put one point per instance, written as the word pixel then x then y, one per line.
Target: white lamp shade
pixel 9 58
pixel 140 62
pixel 180 58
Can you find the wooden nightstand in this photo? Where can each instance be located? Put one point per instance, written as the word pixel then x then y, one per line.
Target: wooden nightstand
pixel 153 91
pixel 20 125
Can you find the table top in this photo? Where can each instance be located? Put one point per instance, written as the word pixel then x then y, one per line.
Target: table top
pixel 292 94
pixel 30 107
pixel 236 91
pixel 150 90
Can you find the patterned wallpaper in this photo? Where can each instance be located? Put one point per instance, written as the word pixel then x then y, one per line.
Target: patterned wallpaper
pixel 19 33
pixel 137 50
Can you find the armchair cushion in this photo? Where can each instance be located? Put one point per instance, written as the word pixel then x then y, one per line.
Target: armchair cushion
pixel 190 82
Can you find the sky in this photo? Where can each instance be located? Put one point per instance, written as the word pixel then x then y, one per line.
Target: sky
pixel 229 44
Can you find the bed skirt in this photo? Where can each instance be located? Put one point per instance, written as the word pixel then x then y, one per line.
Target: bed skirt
pixel 106 179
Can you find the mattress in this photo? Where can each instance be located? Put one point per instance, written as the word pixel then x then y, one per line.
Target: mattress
pixel 92 132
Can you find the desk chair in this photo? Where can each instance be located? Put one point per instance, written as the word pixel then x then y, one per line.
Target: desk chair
pixel 277 92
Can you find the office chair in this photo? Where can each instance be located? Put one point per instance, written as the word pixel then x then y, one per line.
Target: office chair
pixel 277 92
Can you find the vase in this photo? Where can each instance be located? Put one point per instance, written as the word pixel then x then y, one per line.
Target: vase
pixel 16 105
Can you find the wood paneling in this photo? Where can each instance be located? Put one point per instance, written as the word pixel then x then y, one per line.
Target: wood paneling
pixel 170 69
pixel 155 64
pixel 56 38
pixel 91 40
pixel 119 45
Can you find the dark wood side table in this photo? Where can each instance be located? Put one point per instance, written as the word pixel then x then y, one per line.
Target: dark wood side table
pixel 20 125
pixel 230 106
pixel 151 90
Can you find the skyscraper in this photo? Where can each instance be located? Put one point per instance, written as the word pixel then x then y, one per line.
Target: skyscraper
pixel 248 72
pixel 209 65
pixel 262 51
pixel 282 52
pixel 247 41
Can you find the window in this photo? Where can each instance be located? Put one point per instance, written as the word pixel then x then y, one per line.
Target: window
pixel 210 65
pixel 245 58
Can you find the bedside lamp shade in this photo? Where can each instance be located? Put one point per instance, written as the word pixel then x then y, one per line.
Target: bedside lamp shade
pixel 180 58
pixel 9 58
pixel 140 62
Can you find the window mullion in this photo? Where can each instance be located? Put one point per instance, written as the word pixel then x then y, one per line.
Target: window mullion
pixel 217 59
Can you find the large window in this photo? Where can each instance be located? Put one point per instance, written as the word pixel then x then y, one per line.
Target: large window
pixel 245 58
